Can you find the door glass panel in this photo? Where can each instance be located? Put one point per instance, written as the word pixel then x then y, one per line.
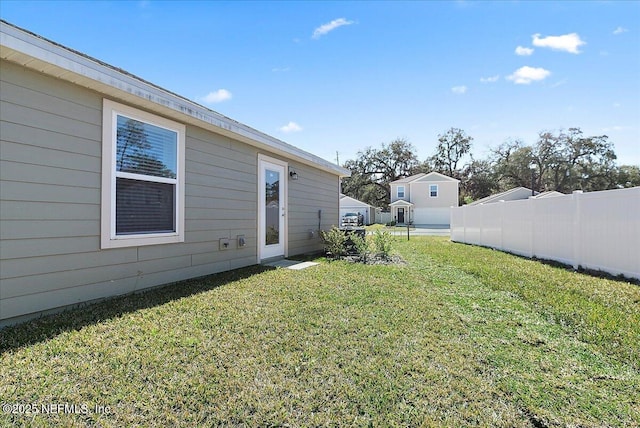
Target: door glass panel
pixel 272 207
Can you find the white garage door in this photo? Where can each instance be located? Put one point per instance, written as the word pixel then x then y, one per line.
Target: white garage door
pixel 435 216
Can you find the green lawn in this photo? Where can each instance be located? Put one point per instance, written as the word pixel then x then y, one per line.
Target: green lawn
pixel 459 336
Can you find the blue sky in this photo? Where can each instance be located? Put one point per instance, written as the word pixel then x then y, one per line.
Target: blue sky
pixel 341 76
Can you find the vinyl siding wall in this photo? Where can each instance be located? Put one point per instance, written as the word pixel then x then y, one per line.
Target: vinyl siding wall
pixel 50 162
pixel 447 194
pixel 394 192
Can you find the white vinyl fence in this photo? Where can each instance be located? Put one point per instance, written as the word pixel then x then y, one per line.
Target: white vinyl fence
pixel 383 218
pixel 595 230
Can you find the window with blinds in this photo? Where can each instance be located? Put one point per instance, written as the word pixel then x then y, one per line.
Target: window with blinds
pixel 143 178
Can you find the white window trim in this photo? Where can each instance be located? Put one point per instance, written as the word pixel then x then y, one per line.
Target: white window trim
pixel 437 191
pixel 398 192
pixel 109 239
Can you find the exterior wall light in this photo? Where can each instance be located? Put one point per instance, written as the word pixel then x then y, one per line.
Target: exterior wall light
pixel 293 174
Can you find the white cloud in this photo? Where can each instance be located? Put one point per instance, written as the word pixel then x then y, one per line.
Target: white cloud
pixel 330 26
pixel 619 30
pixel 615 128
pixel 491 79
pixel 559 83
pixel 525 75
pixel 522 51
pixel 459 90
pixel 217 96
pixel 567 42
pixel 280 70
pixel 617 105
pixel 291 127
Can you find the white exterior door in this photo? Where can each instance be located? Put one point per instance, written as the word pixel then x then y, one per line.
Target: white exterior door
pixel 272 208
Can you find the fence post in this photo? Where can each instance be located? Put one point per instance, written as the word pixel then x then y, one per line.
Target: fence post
pixel 464 224
pixel 577 241
pixel 532 228
pixel 482 211
pixel 501 224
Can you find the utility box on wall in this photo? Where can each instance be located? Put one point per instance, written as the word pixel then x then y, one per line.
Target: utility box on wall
pixel 224 244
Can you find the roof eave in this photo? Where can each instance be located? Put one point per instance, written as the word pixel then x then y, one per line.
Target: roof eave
pixel 401 202
pixel 32 51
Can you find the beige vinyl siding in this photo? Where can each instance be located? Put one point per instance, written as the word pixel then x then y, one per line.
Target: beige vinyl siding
pixel 394 192
pixel 314 190
pixel 50 178
pixel 50 190
pixel 447 194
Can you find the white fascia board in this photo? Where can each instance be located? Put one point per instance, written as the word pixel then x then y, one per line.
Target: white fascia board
pixel 354 203
pixel 76 67
pixel 429 176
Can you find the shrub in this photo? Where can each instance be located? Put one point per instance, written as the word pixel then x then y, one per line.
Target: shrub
pixel 334 242
pixel 362 247
pixel 391 223
pixel 382 241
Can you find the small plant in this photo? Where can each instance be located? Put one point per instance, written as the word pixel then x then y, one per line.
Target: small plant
pixel 362 247
pixel 382 241
pixel 334 242
pixel 391 223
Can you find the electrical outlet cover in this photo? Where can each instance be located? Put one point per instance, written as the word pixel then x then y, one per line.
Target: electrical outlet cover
pixel 224 244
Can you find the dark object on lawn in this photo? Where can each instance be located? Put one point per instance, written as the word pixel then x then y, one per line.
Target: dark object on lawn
pixel 359 231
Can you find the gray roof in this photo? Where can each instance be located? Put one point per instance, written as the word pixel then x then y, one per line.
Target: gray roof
pixel 48 57
pixel 511 194
pixel 409 179
pixel 549 194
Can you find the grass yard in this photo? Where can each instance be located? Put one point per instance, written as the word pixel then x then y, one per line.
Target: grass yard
pixel 460 336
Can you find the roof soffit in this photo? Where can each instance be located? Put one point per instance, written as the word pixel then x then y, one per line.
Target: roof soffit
pixel 34 52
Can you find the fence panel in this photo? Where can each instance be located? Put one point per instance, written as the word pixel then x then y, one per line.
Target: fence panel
pixel 457 225
pixel 596 230
pixel 610 231
pixel 516 227
pixel 473 226
pixel 553 232
pixel 383 218
pixel 491 231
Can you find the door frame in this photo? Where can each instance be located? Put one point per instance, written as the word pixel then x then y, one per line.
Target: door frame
pixel 264 160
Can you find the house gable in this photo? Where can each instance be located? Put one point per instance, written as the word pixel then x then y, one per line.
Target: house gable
pixel 434 177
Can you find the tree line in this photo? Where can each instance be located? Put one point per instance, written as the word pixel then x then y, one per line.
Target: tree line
pixel 563 161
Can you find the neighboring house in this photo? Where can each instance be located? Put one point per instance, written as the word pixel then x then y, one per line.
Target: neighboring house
pixel 515 194
pixel 351 205
pixel 508 195
pixel 549 194
pixel 111 184
pixel 424 199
